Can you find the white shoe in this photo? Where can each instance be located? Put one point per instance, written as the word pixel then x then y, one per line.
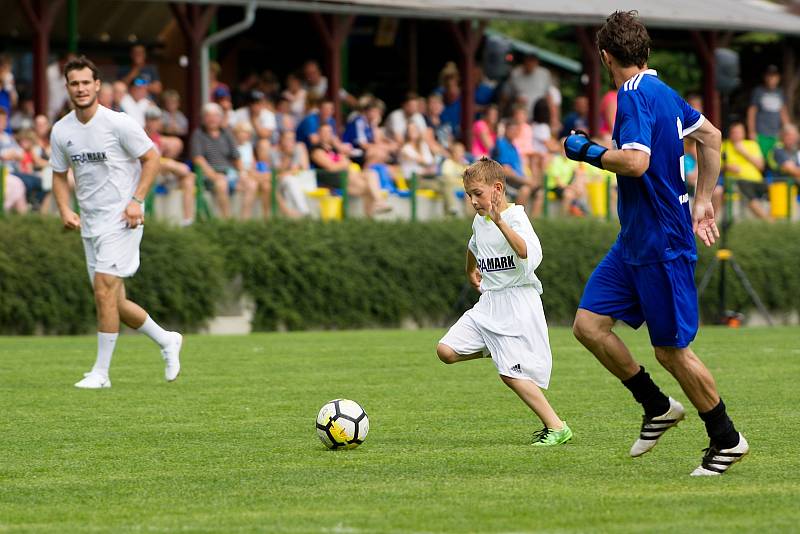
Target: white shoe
pixel 654 428
pixel 172 356
pixel 93 381
pixel 717 461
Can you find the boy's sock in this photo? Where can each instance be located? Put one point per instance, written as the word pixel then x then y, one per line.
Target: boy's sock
pixel 105 349
pixel 720 427
pixel 646 393
pixel 151 329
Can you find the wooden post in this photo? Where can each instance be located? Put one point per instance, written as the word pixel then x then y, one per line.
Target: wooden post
pixel 468 36
pixel 194 21
pixel 705 44
pixel 333 29
pixel 591 62
pixel 41 16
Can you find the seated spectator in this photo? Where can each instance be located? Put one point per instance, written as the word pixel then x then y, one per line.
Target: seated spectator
pixel 524 141
pixel 415 156
pixel 320 112
pixel 518 184
pixel 578 118
pixel 170 149
pixel 249 182
pixel 41 129
pixel 567 179
pixel 484 133
pixel 119 93
pixel 360 134
pixel 450 181
pixel 139 69
pixel 269 84
pixel 8 89
pixel 283 118
pixel 263 173
pixel 397 121
pixel 439 134
pixel 222 97
pixel 213 151
pixel 543 143
pixel 105 97
pixel 12 155
pixel 451 114
pixel 14 197
pixel 296 95
pixel 290 161
pixel 258 114
pixel 326 157
pixel 785 157
pixel 172 118
pixel 214 70
pixel 22 117
pixel 742 161
pixel 136 102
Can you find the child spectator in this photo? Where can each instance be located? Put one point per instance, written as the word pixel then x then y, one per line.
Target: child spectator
pixel 173 120
pixel 248 181
pixel 415 156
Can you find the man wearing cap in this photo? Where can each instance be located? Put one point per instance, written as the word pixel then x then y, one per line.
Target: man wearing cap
pixel 767 111
pixel 135 103
pixel 258 114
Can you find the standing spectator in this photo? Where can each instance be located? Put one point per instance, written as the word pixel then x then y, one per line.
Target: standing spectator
pixel 744 163
pixel 505 153
pixel 451 97
pixel 484 132
pixel 214 70
pixel 415 155
pixel 578 118
pixel 57 97
pixel 290 160
pixel 785 157
pixel 767 111
pixel 258 114
pixel 135 103
pixel 269 85
pixel 315 83
pixel 365 184
pixel 296 94
pixel 529 81
pixel 397 121
pixel 213 150
pixel 484 89
pixel 307 130
pixel 141 70
pixel 170 148
pixel 247 84
pixel 439 134
pixel 174 122
pixel 8 90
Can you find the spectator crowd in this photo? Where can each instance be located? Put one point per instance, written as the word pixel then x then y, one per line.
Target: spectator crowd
pixel 264 134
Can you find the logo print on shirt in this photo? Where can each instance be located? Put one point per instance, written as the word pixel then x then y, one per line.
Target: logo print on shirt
pixel 89 157
pixel 502 263
pixel 69 143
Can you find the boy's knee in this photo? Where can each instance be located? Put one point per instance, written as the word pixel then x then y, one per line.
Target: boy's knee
pixel 446 354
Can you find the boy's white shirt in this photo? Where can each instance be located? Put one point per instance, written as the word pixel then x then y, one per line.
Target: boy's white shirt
pixel 104 155
pixel 499 265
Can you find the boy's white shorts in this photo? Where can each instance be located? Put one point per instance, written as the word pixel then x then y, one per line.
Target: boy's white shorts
pixel 115 253
pixel 509 325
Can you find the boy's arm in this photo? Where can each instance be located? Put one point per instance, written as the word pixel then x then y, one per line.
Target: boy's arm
pixel 473 274
pixel 514 239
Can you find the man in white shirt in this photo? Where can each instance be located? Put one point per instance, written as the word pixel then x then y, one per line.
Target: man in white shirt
pixel 529 82
pixel 397 121
pixel 258 114
pixel 135 103
pixel 114 164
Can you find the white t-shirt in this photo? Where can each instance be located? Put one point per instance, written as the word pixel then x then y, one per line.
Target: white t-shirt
pixel 266 118
pixel 531 86
pixel 104 155
pixel 135 108
pixel 397 123
pixel 410 156
pixel 499 265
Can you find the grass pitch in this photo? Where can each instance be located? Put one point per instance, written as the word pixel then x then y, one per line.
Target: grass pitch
pixel 231 446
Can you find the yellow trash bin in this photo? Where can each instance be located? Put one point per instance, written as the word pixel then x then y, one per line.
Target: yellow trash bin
pixel 598 198
pixel 330 208
pixel 780 196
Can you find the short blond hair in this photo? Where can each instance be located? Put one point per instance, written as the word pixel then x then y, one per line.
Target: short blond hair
pixel 486 171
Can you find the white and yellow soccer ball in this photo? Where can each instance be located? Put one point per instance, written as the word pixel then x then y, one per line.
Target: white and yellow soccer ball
pixel 342 424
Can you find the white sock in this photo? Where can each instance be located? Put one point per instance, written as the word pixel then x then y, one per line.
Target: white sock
pixel 151 329
pixel 105 349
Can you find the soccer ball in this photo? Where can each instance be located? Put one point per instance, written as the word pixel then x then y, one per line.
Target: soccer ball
pixel 342 424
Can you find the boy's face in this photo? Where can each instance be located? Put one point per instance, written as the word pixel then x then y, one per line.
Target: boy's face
pixel 480 194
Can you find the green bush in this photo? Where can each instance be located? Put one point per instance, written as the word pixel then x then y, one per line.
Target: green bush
pixel 354 274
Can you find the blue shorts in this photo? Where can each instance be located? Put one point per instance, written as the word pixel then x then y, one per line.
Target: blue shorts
pixel 661 294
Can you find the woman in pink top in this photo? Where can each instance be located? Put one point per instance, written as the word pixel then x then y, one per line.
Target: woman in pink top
pixel 484 132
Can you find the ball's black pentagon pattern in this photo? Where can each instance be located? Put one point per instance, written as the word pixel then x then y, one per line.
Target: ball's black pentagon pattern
pixel 339 414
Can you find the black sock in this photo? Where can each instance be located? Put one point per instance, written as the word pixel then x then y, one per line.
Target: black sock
pixel 646 393
pixel 720 427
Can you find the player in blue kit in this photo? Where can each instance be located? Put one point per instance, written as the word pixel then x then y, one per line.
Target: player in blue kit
pixel 648 275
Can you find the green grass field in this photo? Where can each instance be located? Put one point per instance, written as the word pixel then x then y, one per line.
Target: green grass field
pixel 231 446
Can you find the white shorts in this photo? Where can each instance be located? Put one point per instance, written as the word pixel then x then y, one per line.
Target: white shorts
pixel 509 325
pixel 115 253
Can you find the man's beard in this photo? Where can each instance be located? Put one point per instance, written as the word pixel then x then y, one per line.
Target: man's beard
pixel 611 78
pixel 85 106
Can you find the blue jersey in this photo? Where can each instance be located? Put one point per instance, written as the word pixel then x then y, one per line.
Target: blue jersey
pixel 656 223
pixel 358 132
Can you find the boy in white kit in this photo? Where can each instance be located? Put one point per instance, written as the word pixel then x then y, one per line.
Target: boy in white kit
pixel 508 322
pixel 114 163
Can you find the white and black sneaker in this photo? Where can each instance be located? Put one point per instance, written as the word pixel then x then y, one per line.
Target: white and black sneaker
pixel 654 427
pixel 717 461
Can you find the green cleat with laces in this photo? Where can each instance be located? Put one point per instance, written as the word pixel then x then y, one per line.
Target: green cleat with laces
pixel 548 437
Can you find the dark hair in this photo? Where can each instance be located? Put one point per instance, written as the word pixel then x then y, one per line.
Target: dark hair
pixel 625 37
pixel 81 63
pixel 485 170
pixel 541 111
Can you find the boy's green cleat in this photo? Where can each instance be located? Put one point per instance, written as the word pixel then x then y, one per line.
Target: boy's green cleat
pixel 547 437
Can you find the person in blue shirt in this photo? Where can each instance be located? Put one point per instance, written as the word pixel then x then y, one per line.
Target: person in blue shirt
pixel 307 130
pixel 507 155
pixel 648 275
